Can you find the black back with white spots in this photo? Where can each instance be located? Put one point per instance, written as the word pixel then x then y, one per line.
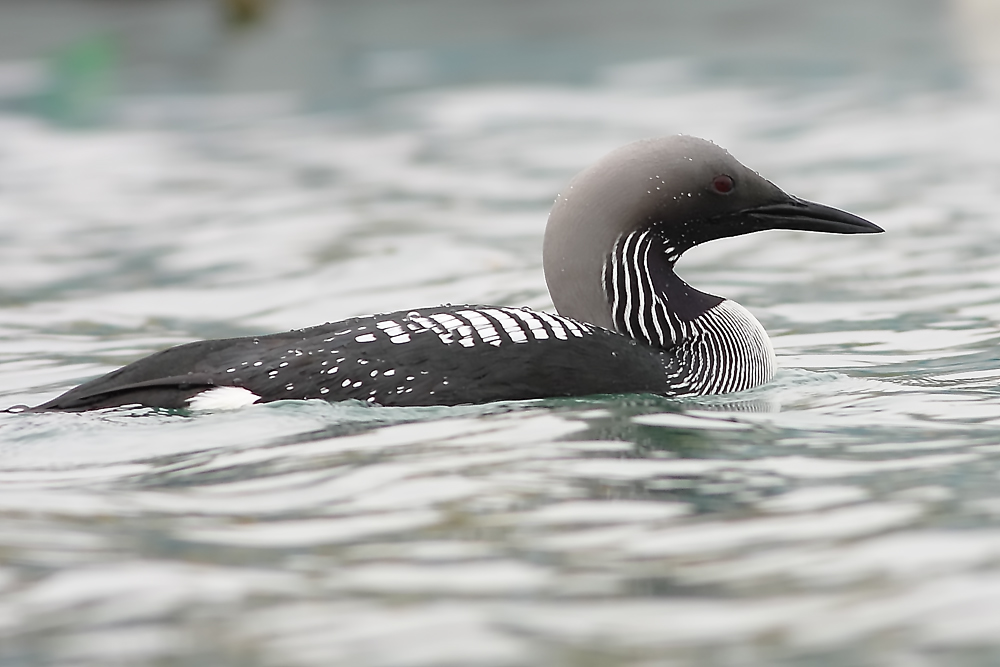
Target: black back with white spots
pixel 447 355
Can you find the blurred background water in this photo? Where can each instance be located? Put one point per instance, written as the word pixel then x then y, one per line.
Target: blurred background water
pixel 172 170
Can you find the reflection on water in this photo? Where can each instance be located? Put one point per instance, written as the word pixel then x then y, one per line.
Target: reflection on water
pixel 845 514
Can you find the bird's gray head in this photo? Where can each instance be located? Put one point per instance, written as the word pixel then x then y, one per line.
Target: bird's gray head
pixel 687 190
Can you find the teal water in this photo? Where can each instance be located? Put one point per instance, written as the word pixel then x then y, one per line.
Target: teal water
pixel 848 513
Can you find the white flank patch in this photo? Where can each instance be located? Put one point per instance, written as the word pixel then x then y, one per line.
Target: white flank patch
pixel 223 398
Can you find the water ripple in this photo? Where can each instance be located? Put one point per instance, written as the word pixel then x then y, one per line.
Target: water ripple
pixel 846 510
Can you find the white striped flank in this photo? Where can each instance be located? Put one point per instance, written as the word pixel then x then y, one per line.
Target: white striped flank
pixel 223 398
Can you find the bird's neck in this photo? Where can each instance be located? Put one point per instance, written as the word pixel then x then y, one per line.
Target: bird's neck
pixel 648 300
pixel 714 345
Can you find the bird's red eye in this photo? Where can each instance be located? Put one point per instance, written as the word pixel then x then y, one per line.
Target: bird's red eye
pixel 723 184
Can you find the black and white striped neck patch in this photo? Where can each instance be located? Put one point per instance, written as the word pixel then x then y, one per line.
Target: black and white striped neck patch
pixel 634 276
pixel 717 345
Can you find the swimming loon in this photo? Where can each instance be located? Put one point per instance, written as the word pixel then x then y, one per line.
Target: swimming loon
pixel 626 322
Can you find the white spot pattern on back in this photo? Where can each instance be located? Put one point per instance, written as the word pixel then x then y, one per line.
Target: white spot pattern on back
pixel 535 326
pixel 483 326
pixel 453 324
pixel 509 324
pixel 555 324
pixel 351 375
pixel 391 329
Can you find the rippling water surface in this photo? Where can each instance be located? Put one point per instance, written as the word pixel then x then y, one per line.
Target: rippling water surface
pixel 846 514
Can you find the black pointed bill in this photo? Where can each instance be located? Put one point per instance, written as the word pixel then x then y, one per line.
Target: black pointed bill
pixel 809 216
